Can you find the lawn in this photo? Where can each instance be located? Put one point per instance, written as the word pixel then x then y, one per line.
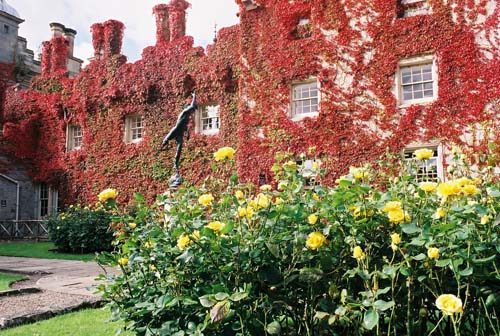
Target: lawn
pixel 7 279
pixel 91 322
pixel 38 250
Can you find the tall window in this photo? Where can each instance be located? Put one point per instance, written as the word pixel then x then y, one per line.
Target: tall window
pixel 208 120
pixel 417 80
pixel 134 128
pixel 74 137
pixel 430 170
pixel 414 7
pixel 47 200
pixel 305 99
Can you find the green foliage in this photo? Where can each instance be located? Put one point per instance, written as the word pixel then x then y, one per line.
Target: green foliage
pixel 257 263
pixel 81 230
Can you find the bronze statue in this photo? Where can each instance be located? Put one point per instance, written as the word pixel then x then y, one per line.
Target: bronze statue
pixel 177 132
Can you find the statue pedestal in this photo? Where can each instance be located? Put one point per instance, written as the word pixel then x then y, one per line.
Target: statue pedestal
pixel 175 181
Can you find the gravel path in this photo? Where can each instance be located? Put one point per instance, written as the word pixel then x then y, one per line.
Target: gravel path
pixel 35 303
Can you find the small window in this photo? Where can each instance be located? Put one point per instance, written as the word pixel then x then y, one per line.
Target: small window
pixel 47 200
pixel 3 203
pixel 134 128
pixel 305 99
pixel 430 170
pixel 413 7
pixel 74 137
pixel 6 29
pixel 208 120
pixel 417 81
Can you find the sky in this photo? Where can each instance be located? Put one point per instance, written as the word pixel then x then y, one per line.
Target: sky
pixel 135 14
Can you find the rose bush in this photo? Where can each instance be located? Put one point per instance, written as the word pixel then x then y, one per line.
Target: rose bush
pixel 373 255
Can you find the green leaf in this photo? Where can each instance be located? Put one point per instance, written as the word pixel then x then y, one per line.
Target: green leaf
pixel 390 271
pixel 419 257
pixel 493 192
pixel 273 248
pixel 273 328
pixel 443 263
pixel 310 275
pixel 221 296
pixel 320 315
pixel 410 228
pixel 219 311
pixel 370 319
pixel 207 301
pixel 484 260
pixel 466 272
pixel 383 305
pixel 238 296
pixel 417 242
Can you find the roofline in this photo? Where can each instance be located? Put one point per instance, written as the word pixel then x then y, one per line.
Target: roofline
pixel 12 17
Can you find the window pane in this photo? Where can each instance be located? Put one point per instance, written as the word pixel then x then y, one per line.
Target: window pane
pixel 418 95
pixel 307 101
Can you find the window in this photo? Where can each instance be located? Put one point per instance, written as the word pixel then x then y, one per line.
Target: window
pixel 305 99
pixel 430 170
pixel 133 128
pixel 208 120
pixel 74 137
pixel 6 29
pixel 47 200
pixel 413 7
pixel 417 81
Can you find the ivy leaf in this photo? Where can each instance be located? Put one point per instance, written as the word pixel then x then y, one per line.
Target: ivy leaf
pixel 370 319
pixel 219 311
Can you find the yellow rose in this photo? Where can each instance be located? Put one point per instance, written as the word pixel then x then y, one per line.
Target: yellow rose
pixel 463 181
pixel 215 226
pixel 358 173
pixel 262 201
pixel 485 219
pixel 423 154
pixel 242 211
pixel 470 189
pixel 290 165
pixel 266 187
pixel 398 216
pixel 224 153
pixel 440 213
pixel 395 238
pixel 315 197
pixel 183 241
pixel 315 240
pixel 392 206
pixel 428 186
pixel 239 194
pixel 446 189
pixel 358 253
pixel 147 244
pixel 152 268
pixel 195 235
pixel 206 199
pixel 449 304
pixel 433 253
pixel 279 201
pixel 107 194
pixel 132 225
pixel 312 219
pixel 123 261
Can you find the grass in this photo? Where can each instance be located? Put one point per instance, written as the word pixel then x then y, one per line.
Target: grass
pixel 8 279
pixel 90 322
pixel 39 250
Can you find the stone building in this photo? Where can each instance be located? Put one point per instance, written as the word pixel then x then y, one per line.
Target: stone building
pixel 345 81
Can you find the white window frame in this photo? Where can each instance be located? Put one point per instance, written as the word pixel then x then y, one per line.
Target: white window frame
pixel 423 10
pixel 51 197
pixel 299 116
pixel 199 119
pixel 414 62
pixel 438 148
pixel 71 137
pixel 131 127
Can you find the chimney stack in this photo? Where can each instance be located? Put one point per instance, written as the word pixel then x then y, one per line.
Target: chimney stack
pixel 162 23
pixel 177 18
pixel 57 29
pixel 70 34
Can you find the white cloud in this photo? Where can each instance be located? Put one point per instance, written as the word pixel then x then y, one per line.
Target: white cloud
pixel 135 14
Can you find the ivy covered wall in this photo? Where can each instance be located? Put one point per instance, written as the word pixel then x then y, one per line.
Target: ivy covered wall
pixel 352 47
